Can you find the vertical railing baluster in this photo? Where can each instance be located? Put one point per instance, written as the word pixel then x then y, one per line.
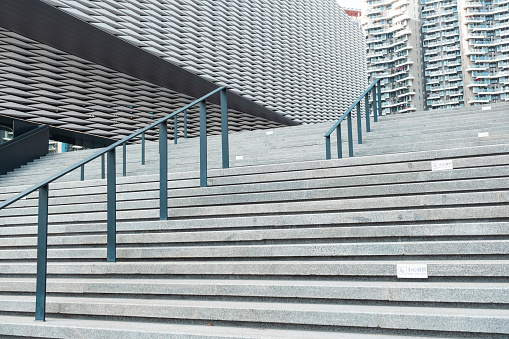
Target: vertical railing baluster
pixel 350 136
pixel 124 160
pixel 366 104
pixel 143 148
pixel 111 182
pixel 379 86
pixel 327 148
pixel 224 129
pixel 359 123
pixel 375 110
pixel 203 143
pixel 103 171
pixel 42 254
pixel 163 171
pixel 185 124
pixel 83 172
pixel 339 141
pixel 175 129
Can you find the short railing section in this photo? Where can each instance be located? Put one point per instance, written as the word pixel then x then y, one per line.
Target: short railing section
pixel 376 90
pixel 43 186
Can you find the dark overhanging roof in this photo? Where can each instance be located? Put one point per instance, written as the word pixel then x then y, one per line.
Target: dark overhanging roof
pixel 53 27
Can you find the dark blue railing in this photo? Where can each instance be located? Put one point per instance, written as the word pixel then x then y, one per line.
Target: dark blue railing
pixel 377 102
pixel 43 186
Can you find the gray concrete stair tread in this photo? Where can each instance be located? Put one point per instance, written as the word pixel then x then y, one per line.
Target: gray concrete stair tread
pixel 449 292
pixel 96 329
pixel 279 251
pixel 391 317
pixel 291 235
pixel 464 268
pixel 421 215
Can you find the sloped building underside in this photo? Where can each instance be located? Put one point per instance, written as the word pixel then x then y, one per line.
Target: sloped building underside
pixel 109 68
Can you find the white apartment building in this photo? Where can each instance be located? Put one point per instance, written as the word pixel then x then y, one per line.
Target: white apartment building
pixel 394 52
pixel 485 31
pixel 442 54
pixel 463 49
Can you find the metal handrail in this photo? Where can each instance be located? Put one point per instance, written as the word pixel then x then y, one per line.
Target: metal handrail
pixel 376 89
pixel 43 186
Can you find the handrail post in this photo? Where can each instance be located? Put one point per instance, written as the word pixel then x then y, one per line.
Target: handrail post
pixel 185 124
pixel 366 104
pixel 327 148
pixel 375 115
pixel 143 148
pixel 224 129
pixel 103 171
pixel 379 85
pixel 350 136
pixel 111 241
pixel 203 143
pixel 163 171
pixel 359 123
pixel 339 142
pixel 124 161
pixel 175 129
pixel 82 172
pixel 42 254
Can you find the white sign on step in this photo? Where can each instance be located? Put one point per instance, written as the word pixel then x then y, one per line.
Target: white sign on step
pixel 441 165
pixel 409 271
pixel 485 108
pixel 270 132
pixel 483 134
pixel 239 157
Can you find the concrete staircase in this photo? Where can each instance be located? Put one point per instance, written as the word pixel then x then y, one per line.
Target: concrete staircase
pixel 276 248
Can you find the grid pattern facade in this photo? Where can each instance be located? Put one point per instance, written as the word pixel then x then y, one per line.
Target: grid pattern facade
pixel 486 31
pixel 393 47
pixel 41 84
pixel 442 54
pixel 301 59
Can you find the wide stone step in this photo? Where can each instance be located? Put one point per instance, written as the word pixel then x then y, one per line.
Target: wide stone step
pixel 416 249
pixel 423 215
pixel 438 270
pixel 25 236
pixel 93 329
pixel 300 290
pixel 290 314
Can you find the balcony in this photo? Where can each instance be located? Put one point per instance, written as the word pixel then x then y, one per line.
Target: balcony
pixel 452 63
pixel 473 19
pixel 473 51
pixel 430 22
pixel 479 99
pixel 433 65
pixel 434 73
pixel 431 51
pixel 476 83
pixel 473 4
pixel 431 36
pixel 450 18
pixel 476 67
pixel 490 74
pixel 433 81
pixel 451 33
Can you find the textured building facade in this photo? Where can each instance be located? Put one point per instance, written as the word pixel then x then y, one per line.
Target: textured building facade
pixel 394 55
pixel 485 28
pixel 43 85
pixel 442 54
pixel 301 59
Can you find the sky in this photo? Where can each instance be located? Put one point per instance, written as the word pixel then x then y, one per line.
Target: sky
pixel 356 4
